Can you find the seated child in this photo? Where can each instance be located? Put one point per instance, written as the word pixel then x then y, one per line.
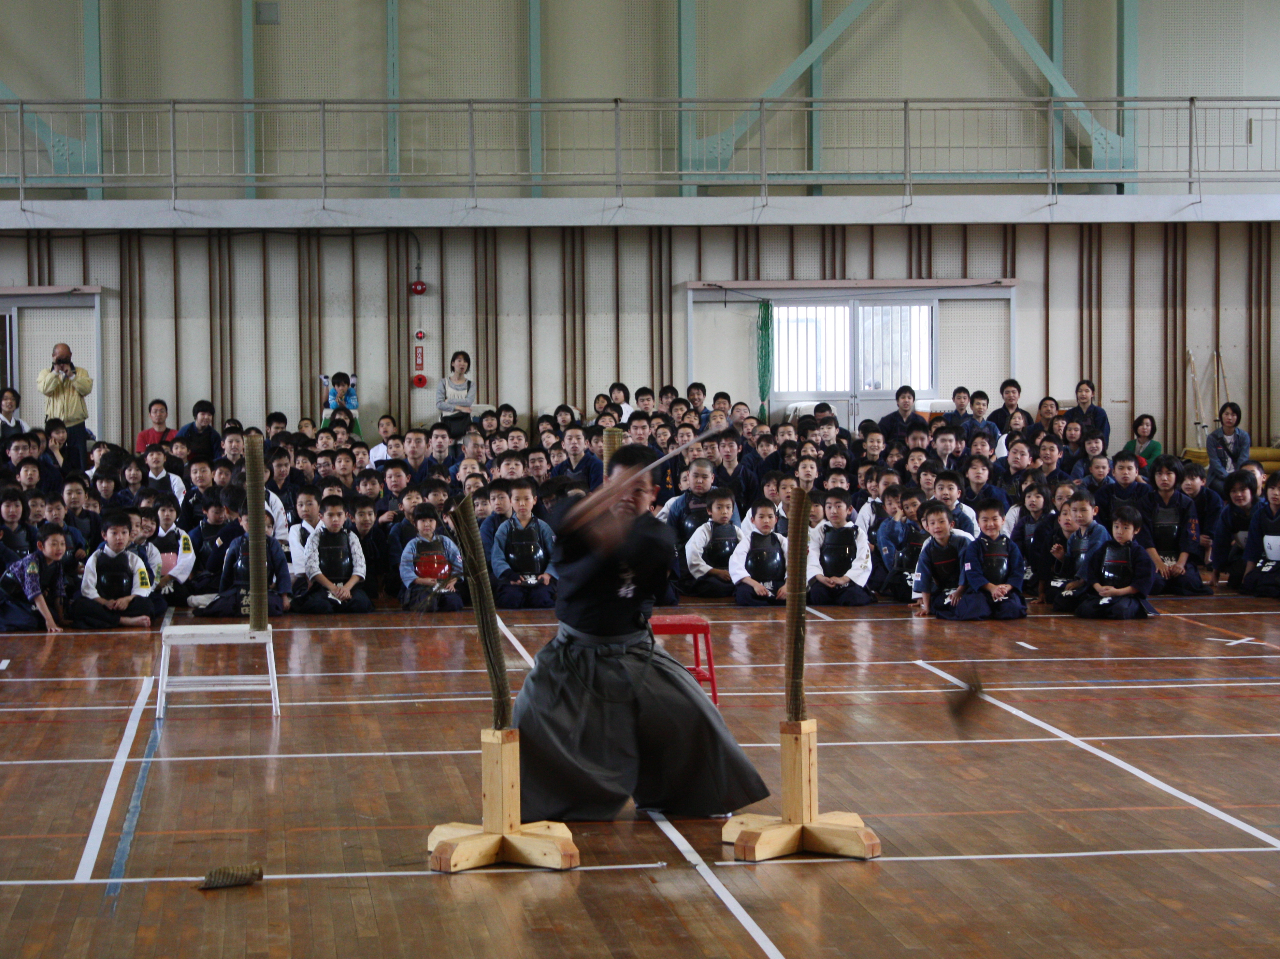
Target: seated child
pixel 709 548
pixel 233 586
pixel 17 536
pixel 430 566
pixel 1089 537
pixel 839 562
pixel 1209 506
pixel 334 565
pixel 399 534
pixel 307 506
pixel 758 566
pixel 177 554
pixel 33 589
pixel 115 588
pixel 1231 533
pixel 946 490
pixel 521 556
pixel 1172 533
pixel 993 569
pixel 1262 547
pixel 900 540
pixel 373 542
pixel 939 581
pixel 1023 523
pixel 1119 573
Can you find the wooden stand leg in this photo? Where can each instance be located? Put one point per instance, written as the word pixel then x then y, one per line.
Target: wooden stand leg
pixel 800 827
pixel 501 837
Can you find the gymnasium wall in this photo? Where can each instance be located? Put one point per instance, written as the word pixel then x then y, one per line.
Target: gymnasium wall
pixel 251 319
pixel 615 48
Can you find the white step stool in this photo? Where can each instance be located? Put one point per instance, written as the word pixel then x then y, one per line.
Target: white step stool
pixel 215 635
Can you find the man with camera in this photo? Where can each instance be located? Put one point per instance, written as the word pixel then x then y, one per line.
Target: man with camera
pixel 65 386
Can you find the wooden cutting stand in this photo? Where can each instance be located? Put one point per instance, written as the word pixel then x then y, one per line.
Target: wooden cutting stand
pixel 800 828
pixel 455 846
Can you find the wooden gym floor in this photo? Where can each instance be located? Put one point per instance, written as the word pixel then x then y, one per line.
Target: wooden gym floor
pixel 1118 795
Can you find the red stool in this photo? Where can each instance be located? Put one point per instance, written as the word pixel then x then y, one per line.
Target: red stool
pixel 699 628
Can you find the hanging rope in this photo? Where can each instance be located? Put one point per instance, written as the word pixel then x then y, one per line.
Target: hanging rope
pixel 764 356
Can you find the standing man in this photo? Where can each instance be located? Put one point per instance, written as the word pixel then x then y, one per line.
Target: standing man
pixel 65 386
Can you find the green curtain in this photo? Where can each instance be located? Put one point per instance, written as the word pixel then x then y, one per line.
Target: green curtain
pixel 764 356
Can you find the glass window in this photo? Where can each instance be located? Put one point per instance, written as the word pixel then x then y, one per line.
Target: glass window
pixel 811 349
pixel 895 346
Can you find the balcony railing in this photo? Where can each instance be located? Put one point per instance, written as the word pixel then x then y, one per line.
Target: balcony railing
pixel 474 148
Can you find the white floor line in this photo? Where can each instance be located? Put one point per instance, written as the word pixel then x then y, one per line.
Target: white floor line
pixel 4 664
pixel 524 653
pixel 99 828
pixel 725 896
pixel 395 754
pixel 410 700
pixel 1200 804
pixel 282 677
pixel 814 612
pixel 1011 855
pixel 168 619
pixel 1028 645
pixel 389 874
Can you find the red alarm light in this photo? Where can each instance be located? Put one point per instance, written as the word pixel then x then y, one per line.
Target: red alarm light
pixel 417 288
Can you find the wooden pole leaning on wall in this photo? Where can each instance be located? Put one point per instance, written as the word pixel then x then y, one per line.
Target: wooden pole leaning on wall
pixel 500 837
pixel 255 493
pixel 801 827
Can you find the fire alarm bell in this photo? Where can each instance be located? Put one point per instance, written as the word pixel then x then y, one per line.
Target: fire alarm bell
pixel 417 288
pixel 420 335
pixel 420 381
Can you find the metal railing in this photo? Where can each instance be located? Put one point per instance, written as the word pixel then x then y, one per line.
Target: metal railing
pixel 148 148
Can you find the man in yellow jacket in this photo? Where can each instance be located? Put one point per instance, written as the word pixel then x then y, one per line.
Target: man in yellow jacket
pixel 65 386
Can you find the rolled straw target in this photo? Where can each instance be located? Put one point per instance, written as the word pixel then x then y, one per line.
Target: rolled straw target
pixel 797 591
pixel 477 566
pixel 614 439
pixel 255 489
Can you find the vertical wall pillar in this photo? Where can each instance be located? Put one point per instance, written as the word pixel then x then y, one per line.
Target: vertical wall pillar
pixel 687 57
pixel 535 93
pixel 91 158
pixel 393 93
pixel 248 86
pixel 1127 84
pixel 815 91
pixel 1056 51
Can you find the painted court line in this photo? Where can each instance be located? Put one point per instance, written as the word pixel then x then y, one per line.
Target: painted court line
pixel 814 612
pixel 1116 761
pixel 99 827
pixel 4 664
pixel 725 896
pixel 134 811
pixel 524 653
pixel 1028 645
pixel 277 877
pixel 408 753
pixel 1009 855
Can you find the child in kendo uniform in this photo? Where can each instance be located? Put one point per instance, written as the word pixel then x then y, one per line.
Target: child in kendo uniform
pixel 1171 534
pixel 430 566
pixel 1262 547
pixel 758 566
pixel 939 575
pixel 33 588
pixel 839 563
pixel 521 556
pixel 1119 573
pixel 710 547
pixel 233 585
pixel 901 539
pixel 116 585
pixel 1231 532
pixel 334 564
pixel 993 569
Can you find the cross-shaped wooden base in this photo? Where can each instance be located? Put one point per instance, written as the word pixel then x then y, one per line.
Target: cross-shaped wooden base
pixel 455 846
pixel 800 828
